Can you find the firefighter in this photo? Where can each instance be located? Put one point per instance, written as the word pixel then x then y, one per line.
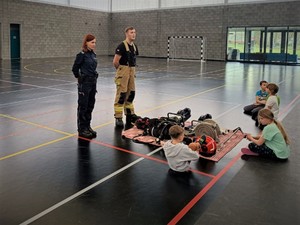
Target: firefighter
pixel 125 61
pixel 84 69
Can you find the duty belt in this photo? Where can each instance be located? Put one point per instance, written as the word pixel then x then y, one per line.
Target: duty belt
pixel 89 79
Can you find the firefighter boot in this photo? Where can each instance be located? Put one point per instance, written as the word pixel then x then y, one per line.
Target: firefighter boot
pixel 119 122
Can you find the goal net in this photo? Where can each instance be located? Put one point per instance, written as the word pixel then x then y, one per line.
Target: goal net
pixel 186 47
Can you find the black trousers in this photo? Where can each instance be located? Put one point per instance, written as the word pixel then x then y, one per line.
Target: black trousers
pixel 86 102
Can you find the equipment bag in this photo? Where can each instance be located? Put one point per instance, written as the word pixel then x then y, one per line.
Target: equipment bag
pixel 161 130
pixel 159 127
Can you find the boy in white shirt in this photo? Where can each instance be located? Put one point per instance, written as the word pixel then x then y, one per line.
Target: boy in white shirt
pixel 273 100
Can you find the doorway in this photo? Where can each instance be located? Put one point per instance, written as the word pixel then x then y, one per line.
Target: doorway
pixel 0 41
pixel 15 41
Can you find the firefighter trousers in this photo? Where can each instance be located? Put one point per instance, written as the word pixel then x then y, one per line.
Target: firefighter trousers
pixel 125 93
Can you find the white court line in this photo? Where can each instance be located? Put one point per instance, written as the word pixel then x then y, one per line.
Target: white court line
pixel 288 108
pixel 35 88
pixel 32 85
pixel 45 212
pixel 12 73
pixel 231 109
pixel 33 99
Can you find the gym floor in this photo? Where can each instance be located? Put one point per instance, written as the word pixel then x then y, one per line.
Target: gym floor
pixel 50 176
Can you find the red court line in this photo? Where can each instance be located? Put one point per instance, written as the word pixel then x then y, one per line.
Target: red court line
pixel 139 154
pixel 204 190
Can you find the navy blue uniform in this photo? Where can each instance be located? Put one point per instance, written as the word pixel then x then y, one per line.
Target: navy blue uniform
pixel 84 69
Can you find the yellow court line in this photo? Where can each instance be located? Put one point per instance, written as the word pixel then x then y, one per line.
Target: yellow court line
pixel 44 144
pixel 35 124
pixel 39 63
pixel 35 147
pixel 102 125
pixel 170 103
pixel 182 99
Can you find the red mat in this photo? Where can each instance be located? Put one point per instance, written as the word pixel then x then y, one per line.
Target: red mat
pixel 137 136
pixel 227 141
pixel 224 148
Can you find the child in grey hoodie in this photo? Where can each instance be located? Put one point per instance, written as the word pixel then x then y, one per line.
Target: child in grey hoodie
pixel 179 155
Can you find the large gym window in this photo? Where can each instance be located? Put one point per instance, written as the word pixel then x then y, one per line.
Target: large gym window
pixel 264 44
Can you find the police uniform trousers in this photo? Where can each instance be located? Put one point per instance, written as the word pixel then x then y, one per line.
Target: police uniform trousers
pixel 86 101
pixel 125 83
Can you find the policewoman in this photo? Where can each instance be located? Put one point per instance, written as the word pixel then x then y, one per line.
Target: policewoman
pixel 125 61
pixel 84 69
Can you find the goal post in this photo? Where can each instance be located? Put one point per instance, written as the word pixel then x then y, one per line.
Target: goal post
pixel 186 47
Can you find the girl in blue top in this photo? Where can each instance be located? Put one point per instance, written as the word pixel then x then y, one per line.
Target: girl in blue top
pixel 273 142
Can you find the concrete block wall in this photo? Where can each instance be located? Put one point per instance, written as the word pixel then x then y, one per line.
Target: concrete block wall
pixel 57 31
pixel 185 48
pixel 154 27
pixel 147 25
pixel 50 30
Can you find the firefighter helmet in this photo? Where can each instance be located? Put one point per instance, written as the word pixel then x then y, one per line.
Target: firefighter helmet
pixel 208 145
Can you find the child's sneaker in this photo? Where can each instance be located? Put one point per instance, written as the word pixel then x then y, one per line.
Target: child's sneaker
pixel 247 151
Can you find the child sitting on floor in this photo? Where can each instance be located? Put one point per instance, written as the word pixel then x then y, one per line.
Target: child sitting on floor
pixel 260 100
pixel 273 100
pixel 273 142
pixel 179 155
pixel 272 103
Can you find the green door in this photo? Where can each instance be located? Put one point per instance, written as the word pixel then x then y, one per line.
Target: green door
pixel 14 41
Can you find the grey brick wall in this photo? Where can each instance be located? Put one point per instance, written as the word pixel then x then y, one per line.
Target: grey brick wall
pixel 51 31
pixel 57 31
pixel 154 27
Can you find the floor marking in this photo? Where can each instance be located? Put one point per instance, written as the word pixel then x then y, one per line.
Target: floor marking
pixel 173 102
pixel 45 212
pixel 8 92
pixel 37 86
pixel 15 74
pixel 35 124
pixel 63 68
pixel 158 159
pixel 41 63
pixel 182 99
pixel 231 109
pixel 35 147
pixel 24 131
pixel 288 108
pixel 70 135
pixel 142 155
pixel 29 100
pixel 34 88
pixel 182 213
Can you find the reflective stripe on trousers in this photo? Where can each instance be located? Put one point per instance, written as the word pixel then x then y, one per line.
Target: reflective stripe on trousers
pixel 125 85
